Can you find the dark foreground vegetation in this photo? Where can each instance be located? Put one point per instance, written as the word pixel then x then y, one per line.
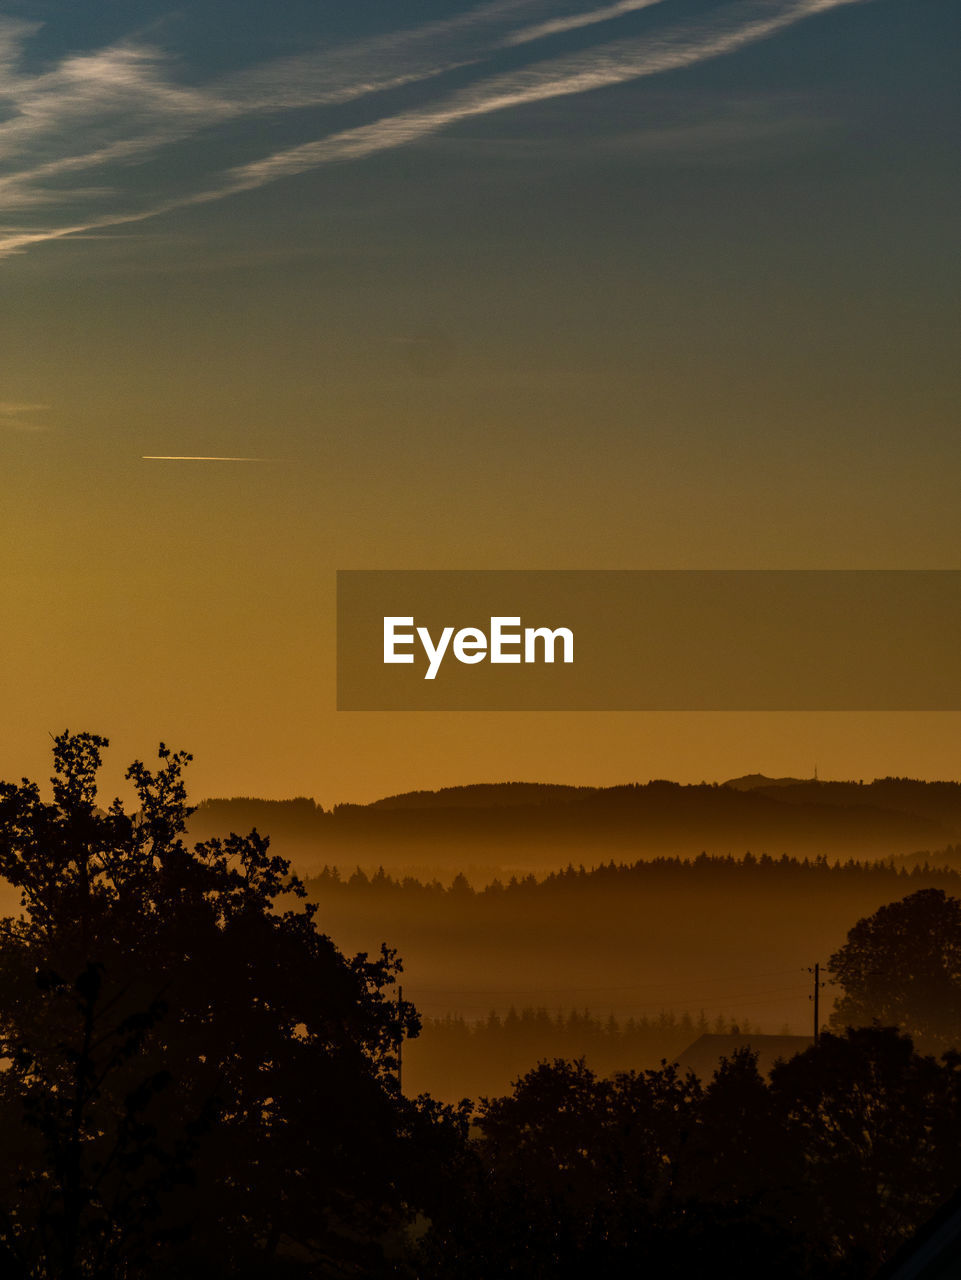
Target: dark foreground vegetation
pixel 195 1081
pixel 821 1171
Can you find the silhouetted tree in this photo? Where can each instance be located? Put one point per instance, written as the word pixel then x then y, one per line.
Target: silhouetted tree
pixel 820 1172
pixel 194 1079
pixel 901 967
pixel 874 1131
pixel 577 1175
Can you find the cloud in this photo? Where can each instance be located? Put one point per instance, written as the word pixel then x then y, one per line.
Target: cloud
pixel 20 417
pixel 128 89
pixel 555 26
pixel 97 112
pixel 124 100
pixel 601 67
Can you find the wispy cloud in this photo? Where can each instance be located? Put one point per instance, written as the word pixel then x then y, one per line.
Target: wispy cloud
pixel 22 417
pixel 600 67
pixel 121 103
pixel 556 26
pixel 94 113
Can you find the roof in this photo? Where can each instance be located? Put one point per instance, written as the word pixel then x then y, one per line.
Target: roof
pixel 703 1057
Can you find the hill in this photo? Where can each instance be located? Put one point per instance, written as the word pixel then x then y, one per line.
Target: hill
pixel 515 827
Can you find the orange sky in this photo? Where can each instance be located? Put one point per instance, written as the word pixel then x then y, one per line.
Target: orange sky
pixel 701 317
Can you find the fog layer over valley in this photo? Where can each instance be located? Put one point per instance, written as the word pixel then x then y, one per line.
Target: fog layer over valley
pixel 515 828
pixel 556 909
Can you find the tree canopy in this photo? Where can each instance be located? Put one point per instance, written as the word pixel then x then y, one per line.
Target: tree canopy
pixel 901 967
pixel 822 1170
pixel 193 1075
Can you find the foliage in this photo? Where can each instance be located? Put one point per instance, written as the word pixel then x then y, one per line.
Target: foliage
pixel 874 1129
pixel 194 1077
pixel 901 967
pixel 821 1171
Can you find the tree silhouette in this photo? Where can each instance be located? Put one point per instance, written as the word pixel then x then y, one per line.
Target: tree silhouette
pixel 579 1175
pixel 821 1171
pixel 901 967
pixel 874 1129
pixel 194 1079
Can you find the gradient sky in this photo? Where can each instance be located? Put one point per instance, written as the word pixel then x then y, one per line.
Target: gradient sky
pixel 532 283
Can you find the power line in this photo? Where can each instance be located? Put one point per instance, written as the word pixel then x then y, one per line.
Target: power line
pixel 434 1008
pixel 628 986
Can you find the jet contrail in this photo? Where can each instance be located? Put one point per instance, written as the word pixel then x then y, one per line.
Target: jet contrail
pixel 192 457
pixel 613 63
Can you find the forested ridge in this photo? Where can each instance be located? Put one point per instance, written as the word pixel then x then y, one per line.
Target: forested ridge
pixel 746 870
pixel 531 826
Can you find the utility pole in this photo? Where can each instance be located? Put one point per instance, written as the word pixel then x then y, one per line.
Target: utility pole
pixel 400 1042
pixel 818 984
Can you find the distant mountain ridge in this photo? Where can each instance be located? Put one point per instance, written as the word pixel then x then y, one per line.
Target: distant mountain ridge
pixel 543 825
pixel 753 781
pixel 481 795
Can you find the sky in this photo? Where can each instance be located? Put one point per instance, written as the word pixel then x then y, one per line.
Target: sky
pixel 524 284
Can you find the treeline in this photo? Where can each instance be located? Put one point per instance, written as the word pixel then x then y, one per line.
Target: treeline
pixel 720 933
pixel 740 872
pixel 525 827
pixel 455 1058
pixel 948 858
pixel 819 1172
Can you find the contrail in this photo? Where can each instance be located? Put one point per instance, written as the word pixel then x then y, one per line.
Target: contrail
pixel 556 25
pixel 193 457
pixel 609 64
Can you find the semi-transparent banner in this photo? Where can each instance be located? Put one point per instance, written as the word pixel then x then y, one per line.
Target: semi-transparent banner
pixel 649 640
